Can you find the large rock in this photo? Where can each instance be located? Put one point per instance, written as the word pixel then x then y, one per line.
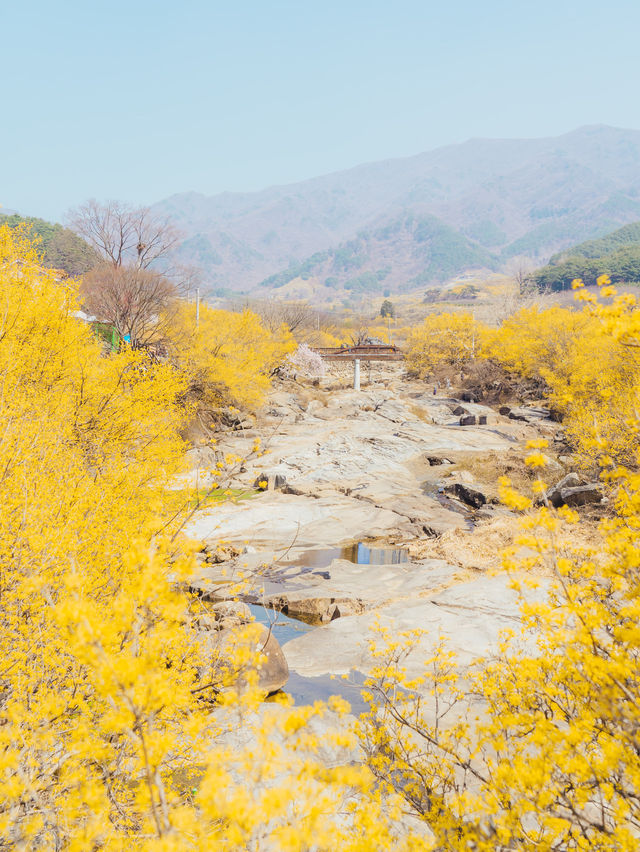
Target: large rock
pixel 231 613
pixel 273 671
pixel 579 496
pixel 472 616
pixel 529 414
pixel 270 481
pixel 470 496
pixel 572 491
pixel 437 460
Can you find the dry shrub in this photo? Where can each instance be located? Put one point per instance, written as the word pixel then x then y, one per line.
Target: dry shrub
pixel 420 413
pixel 489 381
pixel 481 548
pixel 478 549
pixel 487 468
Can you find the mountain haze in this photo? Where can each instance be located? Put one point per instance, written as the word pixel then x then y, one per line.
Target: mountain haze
pixel 421 218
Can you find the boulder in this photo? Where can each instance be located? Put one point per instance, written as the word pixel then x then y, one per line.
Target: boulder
pixel 573 491
pixel 581 495
pixel 458 410
pixel 504 410
pixel 467 396
pixel 231 613
pixel 571 480
pixel 437 460
pixel 470 496
pixel 529 414
pixel 316 610
pixel 270 482
pixel 468 420
pixel 273 671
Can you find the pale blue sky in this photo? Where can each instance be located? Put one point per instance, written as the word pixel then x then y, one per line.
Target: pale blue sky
pixel 136 100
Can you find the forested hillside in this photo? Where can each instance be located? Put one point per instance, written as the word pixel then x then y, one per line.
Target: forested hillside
pixel 407 253
pixel 60 247
pixel 616 255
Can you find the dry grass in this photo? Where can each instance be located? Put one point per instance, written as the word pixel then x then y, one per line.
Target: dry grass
pixel 481 549
pixel 478 549
pixel 487 468
pixel 305 395
pixel 420 413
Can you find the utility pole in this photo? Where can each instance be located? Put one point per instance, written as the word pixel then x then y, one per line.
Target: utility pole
pixel 356 374
pixel 473 334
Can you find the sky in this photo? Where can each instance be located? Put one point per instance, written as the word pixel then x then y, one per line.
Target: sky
pixel 139 99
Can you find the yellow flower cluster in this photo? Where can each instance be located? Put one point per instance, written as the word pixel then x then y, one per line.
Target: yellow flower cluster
pixel 115 715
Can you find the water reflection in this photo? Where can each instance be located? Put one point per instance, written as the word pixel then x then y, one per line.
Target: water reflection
pixel 359 553
pixel 282 626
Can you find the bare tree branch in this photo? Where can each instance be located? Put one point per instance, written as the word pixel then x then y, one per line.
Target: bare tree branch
pixel 123 234
pixel 135 301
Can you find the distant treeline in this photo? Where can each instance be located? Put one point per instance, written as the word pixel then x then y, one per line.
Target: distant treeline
pixel 60 247
pixel 616 254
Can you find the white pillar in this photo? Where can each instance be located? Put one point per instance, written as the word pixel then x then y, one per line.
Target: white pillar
pixel 356 374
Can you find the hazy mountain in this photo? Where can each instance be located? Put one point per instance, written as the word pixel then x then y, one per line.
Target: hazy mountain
pixel 500 197
pixel 408 252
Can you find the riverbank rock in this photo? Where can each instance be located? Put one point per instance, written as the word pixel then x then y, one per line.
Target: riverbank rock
pixel 572 491
pixel 231 613
pixel 471 615
pixel 468 420
pixel 270 482
pixel 470 496
pixel 529 414
pixel 434 461
pixel 273 671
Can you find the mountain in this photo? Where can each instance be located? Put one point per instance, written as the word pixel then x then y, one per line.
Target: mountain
pixel 501 197
pixel 616 255
pixel 408 252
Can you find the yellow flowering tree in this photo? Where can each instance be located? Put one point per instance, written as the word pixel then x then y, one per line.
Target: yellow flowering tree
pixel 112 707
pixel 229 355
pixel 443 340
pixel 538 748
pixel 588 364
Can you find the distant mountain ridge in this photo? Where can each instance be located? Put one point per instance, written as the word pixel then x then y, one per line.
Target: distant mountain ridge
pixel 408 252
pixel 499 197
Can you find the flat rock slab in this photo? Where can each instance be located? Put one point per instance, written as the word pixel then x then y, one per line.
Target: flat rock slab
pixel 365 585
pixel 280 520
pixel 470 616
pixel 310 593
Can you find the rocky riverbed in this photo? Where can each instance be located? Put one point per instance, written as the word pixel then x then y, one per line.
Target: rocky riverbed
pixel 378 505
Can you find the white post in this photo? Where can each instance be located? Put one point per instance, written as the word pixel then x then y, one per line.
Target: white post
pixel 356 374
pixel 197 306
pixel 473 335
